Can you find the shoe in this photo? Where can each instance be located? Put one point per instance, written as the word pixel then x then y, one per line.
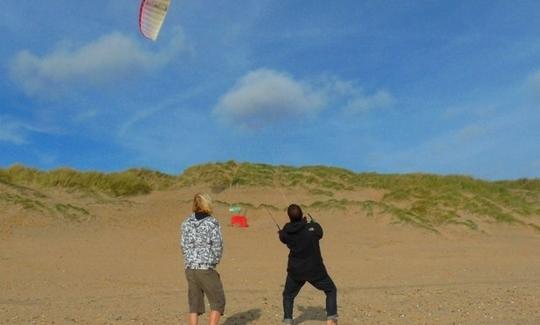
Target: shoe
pixel 288 321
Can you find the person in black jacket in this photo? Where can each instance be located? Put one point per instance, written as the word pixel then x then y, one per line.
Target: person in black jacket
pixel 305 264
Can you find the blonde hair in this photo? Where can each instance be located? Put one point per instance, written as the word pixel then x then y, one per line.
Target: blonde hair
pixel 202 202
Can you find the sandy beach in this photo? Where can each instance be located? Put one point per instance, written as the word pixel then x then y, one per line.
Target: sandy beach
pixel 123 266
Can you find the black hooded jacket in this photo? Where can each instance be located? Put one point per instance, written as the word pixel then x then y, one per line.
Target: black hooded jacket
pixel 305 260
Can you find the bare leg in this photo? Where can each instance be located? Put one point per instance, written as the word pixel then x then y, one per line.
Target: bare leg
pixel 193 318
pixel 331 322
pixel 214 317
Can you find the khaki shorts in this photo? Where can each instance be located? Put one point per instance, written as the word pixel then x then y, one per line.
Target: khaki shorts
pixel 205 282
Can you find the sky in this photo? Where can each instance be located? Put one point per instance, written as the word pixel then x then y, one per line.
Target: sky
pixel 446 87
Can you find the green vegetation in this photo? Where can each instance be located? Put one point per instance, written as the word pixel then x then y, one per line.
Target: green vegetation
pixel 330 204
pixel 424 200
pixel 72 212
pixel 68 211
pixel 244 206
pixel 24 202
pixel 318 191
pixel 535 227
pixel 217 175
pixel 154 180
pixel 131 182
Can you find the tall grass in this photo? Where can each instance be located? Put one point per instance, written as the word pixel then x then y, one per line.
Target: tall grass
pixel 23 201
pixel 115 184
pixel 424 200
pixel 421 199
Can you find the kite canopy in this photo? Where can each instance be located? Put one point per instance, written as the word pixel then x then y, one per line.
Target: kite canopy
pixel 151 17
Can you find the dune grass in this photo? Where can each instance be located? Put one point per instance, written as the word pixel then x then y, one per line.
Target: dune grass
pixel 23 202
pixel 425 200
pixel 68 211
pixel 131 182
pixel 72 212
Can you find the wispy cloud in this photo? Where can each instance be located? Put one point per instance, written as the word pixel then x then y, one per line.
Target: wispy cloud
pixel 351 99
pixel 168 106
pixel 14 131
pixel 365 103
pixel 457 150
pixel 11 132
pixel 103 61
pixel 499 146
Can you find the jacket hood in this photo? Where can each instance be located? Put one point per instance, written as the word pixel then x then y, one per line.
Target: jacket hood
pixel 294 227
pixel 192 219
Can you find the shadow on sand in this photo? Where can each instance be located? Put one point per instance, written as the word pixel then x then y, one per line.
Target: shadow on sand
pixel 310 313
pixel 243 318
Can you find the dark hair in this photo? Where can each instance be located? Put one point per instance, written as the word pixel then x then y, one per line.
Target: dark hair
pixel 295 212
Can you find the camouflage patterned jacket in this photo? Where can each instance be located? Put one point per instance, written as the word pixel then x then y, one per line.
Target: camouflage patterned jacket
pixel 201 242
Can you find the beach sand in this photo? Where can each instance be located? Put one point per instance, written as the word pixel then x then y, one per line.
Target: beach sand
pixel 124 266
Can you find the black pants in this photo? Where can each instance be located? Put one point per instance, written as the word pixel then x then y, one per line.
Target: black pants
pixel 292 288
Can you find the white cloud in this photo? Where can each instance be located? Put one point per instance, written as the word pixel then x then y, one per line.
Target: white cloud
pixel 11 132
pixel 101 62
pixel 457 151
pixel 500 146
pixel 365 103
pixel 266 96
pixel 351 99
pixel 15 132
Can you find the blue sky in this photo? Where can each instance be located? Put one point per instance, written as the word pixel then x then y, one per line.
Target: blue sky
pixel 447 87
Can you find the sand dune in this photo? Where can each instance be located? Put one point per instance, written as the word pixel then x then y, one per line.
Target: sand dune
pixel 121 265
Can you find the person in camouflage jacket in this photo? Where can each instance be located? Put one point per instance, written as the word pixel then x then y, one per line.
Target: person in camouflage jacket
pixel 202 246
pixel 201 242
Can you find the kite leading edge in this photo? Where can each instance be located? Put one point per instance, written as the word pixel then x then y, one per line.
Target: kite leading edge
pixel 151 16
